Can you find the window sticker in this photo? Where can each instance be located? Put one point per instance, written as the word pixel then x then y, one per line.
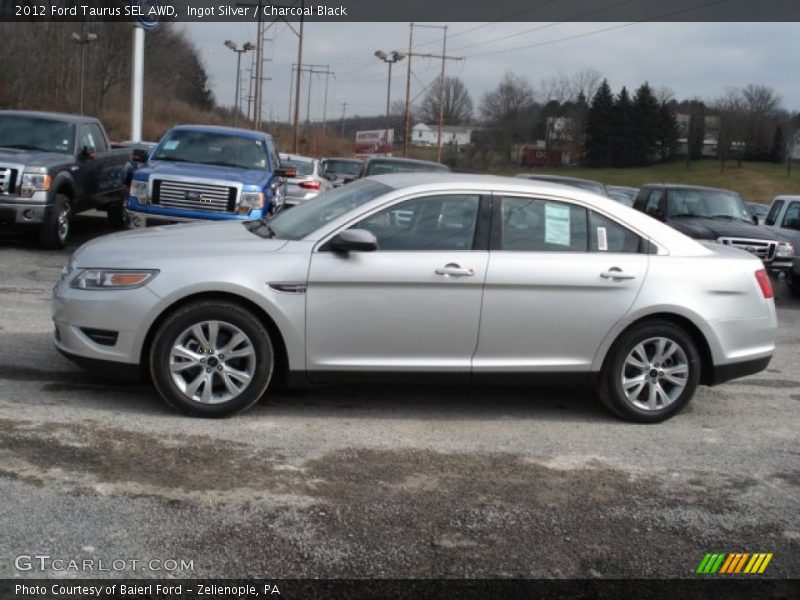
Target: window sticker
pixel 172 144
pixel 556 225
pixel 602 239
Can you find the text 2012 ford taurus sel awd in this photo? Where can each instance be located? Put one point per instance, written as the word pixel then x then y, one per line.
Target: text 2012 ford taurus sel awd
pixel 472 277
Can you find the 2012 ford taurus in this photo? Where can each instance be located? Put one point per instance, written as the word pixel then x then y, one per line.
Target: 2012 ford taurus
pixel 438 276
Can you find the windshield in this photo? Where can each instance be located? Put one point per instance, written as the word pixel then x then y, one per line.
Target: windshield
pixel 212 148
pixel 380 167
pixel 707 203
pixel 305 218
pixel 343 167
pixel 304 167
pixel 34 133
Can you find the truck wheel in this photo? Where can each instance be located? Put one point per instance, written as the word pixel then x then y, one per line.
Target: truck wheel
pixel 57 227
pixel 651 372
pixel 212 359
pixel 115 215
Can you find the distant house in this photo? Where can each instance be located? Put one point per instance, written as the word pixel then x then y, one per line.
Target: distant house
pixel 428 135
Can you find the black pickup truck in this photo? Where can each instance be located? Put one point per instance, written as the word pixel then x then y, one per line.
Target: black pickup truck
pixel 717 215
pixel 55 165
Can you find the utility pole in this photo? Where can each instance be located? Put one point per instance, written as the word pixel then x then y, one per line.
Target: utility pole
pixel 389 59
pixel 443 57
pixel 311 70
pixel 407 115
pixel 344 111
pixel 325 107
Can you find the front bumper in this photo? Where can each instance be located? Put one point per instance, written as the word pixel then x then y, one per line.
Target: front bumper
pixel 15 210
pixel 124 312
pixel 147 217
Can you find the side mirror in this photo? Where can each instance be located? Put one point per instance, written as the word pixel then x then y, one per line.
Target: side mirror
pixel 755 220
pixel 353 240
pixel 88 153
pixel 287 172
pixel 139 155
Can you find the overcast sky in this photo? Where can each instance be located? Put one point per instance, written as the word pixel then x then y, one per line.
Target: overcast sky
pixel 693 59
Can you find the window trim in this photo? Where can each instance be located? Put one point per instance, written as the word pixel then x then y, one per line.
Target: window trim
pixel 777 205
pixel 785 220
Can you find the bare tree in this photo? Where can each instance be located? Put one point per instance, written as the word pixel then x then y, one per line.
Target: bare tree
pixel 509 111
pixel 729 107
pixel 567 88
pixel 457 102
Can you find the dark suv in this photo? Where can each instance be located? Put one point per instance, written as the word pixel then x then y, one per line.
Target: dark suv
pixel 716 215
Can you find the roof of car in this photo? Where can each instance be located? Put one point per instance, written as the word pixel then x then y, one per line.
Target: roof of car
pixel 220 129
pixel 297 157
pixel 344 159
pixel 55 116
pixel 684 186
pixel 396 159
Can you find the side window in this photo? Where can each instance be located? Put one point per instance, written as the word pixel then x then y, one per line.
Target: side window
pixel 430 223
pixel 534 225
pixel 792 213
pixel 274 159
pixel 606 235
pixel 85 138
pixel 655 203
pixel 774 211
pixel 97 137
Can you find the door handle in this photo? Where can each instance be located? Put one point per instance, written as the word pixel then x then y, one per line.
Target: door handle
pixel 454 270
pixel 616 273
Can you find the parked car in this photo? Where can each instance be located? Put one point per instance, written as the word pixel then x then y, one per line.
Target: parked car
pixel 583 184
pixel 53 166
pixel 757 211
pixel 715 215
pixel 341 170
pixel 199 172
pixel 309 180
pixel 783 218
pixel 340 289
pixel 389 164
pixel 623 194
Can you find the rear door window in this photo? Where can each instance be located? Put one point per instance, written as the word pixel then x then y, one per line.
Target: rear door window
pixel 537 225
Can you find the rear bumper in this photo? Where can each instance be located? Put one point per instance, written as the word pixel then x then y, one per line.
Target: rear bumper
pixel 723 373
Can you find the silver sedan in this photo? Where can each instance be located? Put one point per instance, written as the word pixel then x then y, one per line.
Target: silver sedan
pixel 309 182
pixel 431 277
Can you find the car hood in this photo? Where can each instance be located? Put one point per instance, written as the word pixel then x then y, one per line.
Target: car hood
pixel 710 229
pixel 151 247
pixel 33 158
pixel 165 169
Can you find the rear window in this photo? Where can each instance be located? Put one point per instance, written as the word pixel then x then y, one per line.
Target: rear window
pixel 303 167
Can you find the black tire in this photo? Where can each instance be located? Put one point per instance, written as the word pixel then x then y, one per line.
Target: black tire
pixel 115 215
pixel 794 286
pixel 610 388
pixel 231 316
pixel 57 227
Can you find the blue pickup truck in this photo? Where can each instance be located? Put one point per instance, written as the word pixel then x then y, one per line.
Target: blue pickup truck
pixel 199 172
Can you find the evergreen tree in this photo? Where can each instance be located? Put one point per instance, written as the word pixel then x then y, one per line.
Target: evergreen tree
pixel 777 150
pixel 623 131
pixel 600 128
pixel 667 132
pixel 697 129
pixel 646 135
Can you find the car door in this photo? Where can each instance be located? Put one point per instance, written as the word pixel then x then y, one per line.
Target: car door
pixel 413 304
pixel 559 277
pixel 85 171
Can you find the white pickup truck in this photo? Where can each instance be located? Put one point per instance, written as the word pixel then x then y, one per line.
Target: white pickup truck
pixel 784 218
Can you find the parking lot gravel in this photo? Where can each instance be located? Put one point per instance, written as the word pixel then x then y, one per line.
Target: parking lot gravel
pixel 382 481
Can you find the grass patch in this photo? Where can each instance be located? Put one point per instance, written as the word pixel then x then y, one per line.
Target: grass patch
pixel 755 181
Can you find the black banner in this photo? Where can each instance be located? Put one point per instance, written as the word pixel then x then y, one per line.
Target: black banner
pixel 748 587
pixel 408 10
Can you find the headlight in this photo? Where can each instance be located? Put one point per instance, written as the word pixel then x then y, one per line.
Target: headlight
pixel 34 182
pixel 110 279
pixel 139 191
pixel 784 250
pixel 250 201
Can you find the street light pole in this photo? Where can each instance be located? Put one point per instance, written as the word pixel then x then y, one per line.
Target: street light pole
pixel 82 40
pixel 239 51
pixel 391 58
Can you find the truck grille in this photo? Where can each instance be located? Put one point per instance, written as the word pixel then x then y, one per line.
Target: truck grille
pixel 194 196
pixel 763 249
pixel 8 180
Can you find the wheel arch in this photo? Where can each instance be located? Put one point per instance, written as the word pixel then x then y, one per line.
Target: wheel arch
pixel 63 184
pixel 279 344
pixel 685 323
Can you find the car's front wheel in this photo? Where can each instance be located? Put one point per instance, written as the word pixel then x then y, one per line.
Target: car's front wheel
pixel 651 372
pixel 212 359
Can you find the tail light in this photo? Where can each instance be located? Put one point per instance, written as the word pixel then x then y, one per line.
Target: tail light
pixel 764 283
pixel 309 185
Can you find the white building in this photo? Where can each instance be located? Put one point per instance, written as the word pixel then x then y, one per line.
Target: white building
pixel 428 135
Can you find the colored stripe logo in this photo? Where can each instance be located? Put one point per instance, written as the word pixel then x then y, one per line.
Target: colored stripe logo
pixel 734 563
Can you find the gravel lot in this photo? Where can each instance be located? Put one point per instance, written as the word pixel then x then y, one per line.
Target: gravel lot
pixel 383 482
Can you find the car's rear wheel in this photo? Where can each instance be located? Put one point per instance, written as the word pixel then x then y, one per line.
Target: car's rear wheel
pixel 651 372
pixel 212 359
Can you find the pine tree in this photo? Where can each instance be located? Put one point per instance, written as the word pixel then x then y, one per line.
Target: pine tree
pixel 697 129
pixel 777 150
pixel 623 129
pixel 600 128
pixel 667 132
pixel 646 118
